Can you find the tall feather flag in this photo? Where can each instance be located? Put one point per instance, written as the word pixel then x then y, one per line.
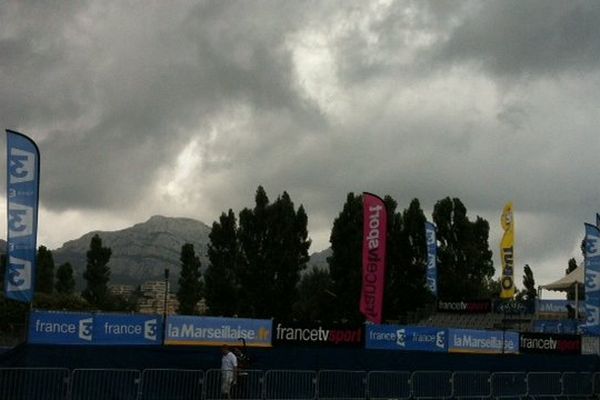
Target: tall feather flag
pixel 592 278
pixel 507 245
pixel 22 184
pixel 431 239
pixel 373 257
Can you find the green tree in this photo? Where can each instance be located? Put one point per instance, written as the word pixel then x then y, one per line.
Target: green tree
pixel 313 303
pixel 253 274
pixel 61 302
pixel 464 259
pixel 190 285
pixel 44 281
pixel 529 284
pixel 407 290
pixel 345 262
pixel 97 273
pixel 287 253
pixel 65 283
pixel 273 242
pixel 221 289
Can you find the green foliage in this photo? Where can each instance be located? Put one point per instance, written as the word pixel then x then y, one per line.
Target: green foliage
pixel 406 288
pixel 529 284
pixel 464 258
pixel 44 279
pixel 273 242
pixel 65 282
pixel 190 286
pixel 97 274
pixel 345 263
pixel 61 302
pixel 406 260
pixel 222 286
pixel 314 299
pixel 258 261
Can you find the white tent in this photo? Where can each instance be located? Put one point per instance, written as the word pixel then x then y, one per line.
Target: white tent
pixel 568 281
pixel 572 280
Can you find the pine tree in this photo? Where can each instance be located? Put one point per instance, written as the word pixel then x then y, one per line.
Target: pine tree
pixel 273 243
pixel 97 273
pixel 286 254
pixel 407 290
pixel 190 286
pixel 253 273
pixel 529 284
pixel 222 287
pixel 345 263
pixel 465 261
pixel 313 304
pixel 65 283
pixel 44 282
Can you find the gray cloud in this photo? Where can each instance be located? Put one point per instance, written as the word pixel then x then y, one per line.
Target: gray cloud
pixel 527 38
pixel 185 108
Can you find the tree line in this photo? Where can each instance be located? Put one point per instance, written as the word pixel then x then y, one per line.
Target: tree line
pixel 258 265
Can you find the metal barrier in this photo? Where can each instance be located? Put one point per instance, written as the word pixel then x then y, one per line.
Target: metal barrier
pixel 509 384
pixel 596 384
pixel 577 384
pixel 290 384
pixel 471 384
pixel 102 384
pixel 542 384
pixel 388 385
pixel 248 385
pixel 34 383
pixel 431 384
pixel 337 384
pixel 171 384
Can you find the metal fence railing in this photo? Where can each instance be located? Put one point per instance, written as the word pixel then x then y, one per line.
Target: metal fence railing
pixel 471 385
pixel 102 384
pixel 290 385
pixel 338 384
pixel 388 385
pixel 34 383
pixel 171 384
pixel 508 384
pixel 176 384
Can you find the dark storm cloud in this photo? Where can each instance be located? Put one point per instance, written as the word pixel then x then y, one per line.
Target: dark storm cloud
pixel 115 90
pixel 488 101
pixel 528 38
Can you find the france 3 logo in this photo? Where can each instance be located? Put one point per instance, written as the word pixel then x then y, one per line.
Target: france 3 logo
pixel 401 337
pixel 592 280
pixel 21 166
pixel 150 329
pixel 18 275
pixel 20 220
pixel 85 329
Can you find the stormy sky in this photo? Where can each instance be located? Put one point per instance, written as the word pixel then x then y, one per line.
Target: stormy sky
pixel 182 108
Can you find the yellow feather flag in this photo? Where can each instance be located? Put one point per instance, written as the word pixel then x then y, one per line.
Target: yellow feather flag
pixel 507 281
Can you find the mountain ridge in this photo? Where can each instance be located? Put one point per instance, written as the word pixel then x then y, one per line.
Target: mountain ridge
pixel 144 250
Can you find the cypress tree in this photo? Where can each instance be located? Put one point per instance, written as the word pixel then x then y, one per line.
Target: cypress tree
pixel 221 288
pixel 44 282
pixel 65 283
pixel 97 273
pixel 190 286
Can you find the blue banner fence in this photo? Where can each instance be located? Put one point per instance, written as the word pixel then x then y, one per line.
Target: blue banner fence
pixel 171 384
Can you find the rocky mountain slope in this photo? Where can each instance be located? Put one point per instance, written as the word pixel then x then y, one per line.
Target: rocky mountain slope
pixel 141 252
